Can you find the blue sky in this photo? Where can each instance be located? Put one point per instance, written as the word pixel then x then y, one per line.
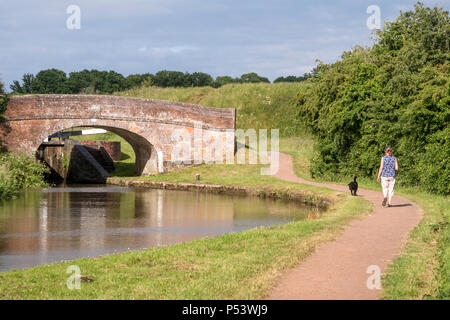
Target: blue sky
pixel 220 37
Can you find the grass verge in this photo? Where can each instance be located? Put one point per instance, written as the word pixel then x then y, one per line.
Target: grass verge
pixel 423 269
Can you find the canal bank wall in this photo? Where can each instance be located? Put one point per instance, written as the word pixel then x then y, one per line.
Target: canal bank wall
pixel 310 199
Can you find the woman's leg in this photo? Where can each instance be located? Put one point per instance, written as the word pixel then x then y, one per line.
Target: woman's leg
pixel 391 189
pixel 385 187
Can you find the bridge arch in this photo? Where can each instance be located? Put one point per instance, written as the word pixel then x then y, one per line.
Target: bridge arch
pixel 146 124
pixel 146 154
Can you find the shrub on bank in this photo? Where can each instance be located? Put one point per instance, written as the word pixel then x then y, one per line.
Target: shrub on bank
pixel 18 172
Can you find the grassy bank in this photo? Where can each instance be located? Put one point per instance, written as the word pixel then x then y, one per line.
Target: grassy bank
pixel 423 269
pixel 234 266
pixel 258 105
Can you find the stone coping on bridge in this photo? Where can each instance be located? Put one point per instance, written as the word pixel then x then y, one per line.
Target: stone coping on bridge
pixel 306 198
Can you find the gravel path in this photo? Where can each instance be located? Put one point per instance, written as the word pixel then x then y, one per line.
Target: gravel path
pixel 339 269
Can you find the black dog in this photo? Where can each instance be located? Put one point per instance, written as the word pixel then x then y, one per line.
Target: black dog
pixel 353 186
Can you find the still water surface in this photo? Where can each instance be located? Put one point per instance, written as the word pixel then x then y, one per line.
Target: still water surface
pixel 66 223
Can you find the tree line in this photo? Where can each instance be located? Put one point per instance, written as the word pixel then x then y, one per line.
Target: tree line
pixel 106 82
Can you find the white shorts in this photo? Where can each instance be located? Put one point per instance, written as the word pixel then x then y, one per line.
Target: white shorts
pixel 387 183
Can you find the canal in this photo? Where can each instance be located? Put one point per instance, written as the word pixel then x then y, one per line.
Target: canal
pixel 70 222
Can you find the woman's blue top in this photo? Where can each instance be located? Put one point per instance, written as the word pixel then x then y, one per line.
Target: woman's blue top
pixel 388 166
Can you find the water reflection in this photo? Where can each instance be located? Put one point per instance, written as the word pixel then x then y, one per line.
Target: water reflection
pixel 67 223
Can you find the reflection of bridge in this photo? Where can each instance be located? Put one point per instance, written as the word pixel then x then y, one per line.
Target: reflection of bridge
pixel 148 125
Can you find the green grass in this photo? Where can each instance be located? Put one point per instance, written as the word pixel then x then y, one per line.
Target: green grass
pixel 423 269
pixel 258 105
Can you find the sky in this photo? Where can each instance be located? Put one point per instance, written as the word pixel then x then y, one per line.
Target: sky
pixel 221 37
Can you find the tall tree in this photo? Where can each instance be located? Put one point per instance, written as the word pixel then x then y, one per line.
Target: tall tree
pixel 165 78
pixel 138 80
pixel 200 79
pixel 50 81
pixel 80 82
pixel 26 86
pixel 253 77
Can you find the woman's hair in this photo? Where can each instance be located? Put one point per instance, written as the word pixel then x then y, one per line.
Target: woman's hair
pixel 388 148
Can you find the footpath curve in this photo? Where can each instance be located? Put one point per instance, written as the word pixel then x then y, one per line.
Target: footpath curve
pixel 339 269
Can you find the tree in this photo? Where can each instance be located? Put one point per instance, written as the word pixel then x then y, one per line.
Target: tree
pixel 113 82
pixel 200 79
pixel 138 80
pixel 27 84
pixel 165 78
pixel 253 78
pixel 50 81
pixel 304 77
pixel 80 82
pixel 223 80
pixel 16 87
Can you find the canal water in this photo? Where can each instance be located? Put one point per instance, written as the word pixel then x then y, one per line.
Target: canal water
pixel 65 223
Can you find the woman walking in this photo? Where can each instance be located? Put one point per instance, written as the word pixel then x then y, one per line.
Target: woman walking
pixel 387 171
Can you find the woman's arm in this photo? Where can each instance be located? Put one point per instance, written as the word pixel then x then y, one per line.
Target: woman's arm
pixel 379 170
pixel 396 164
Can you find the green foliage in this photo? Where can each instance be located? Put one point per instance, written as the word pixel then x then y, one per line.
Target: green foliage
pixel 27 84
pixel 18 172
pixel 293 78
pixel 139 80
pixel 223 80
pixel 200 79
pixel 253 78
pixel 50 81
pixel 107 82
pixel 3 104
pixel 396 93
pixel 3 100
pixel 165 78
pixel 175 79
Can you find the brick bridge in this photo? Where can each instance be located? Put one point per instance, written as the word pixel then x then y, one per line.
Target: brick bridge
pixel 148 125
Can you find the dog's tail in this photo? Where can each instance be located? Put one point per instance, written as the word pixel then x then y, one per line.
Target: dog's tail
pixel 354 179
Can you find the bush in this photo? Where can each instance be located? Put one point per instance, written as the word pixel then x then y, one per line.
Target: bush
pixel 18 172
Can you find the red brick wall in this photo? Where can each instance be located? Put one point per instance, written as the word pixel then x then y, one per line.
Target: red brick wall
pixel 111 147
